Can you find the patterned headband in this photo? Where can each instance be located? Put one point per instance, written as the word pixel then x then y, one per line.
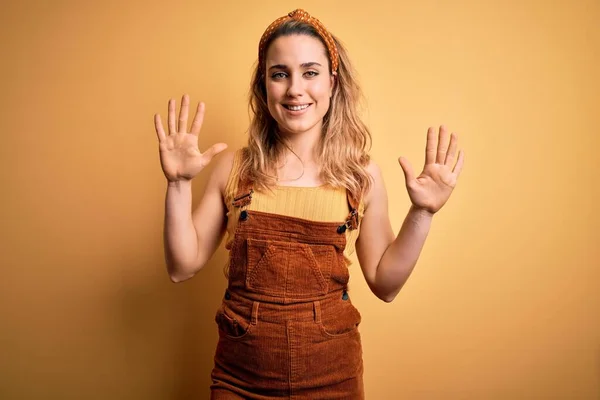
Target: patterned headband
pixel 303 16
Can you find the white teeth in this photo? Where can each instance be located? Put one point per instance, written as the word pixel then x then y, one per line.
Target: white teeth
pixel 298 108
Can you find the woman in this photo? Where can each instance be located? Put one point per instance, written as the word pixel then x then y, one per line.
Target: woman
pixel 294 203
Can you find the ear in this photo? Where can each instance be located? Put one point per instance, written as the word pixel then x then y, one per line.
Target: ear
pixel 333 82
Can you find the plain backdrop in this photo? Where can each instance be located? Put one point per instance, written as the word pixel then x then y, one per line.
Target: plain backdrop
pixel 505 300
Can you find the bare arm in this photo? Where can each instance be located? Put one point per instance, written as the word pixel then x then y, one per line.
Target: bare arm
pixel 388 261
pixel 190 240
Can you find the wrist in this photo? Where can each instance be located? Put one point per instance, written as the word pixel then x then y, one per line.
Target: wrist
pixel 420 213
pixel 181 184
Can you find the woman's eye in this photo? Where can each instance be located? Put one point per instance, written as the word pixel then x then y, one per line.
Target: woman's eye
pixel 278 75
pixel 312 73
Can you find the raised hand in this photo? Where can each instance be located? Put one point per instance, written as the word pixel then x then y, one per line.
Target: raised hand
pixel 432 188
pixel 180 157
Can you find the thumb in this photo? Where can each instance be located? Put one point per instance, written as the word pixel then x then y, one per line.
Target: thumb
pixel 409 174
pixel 213 151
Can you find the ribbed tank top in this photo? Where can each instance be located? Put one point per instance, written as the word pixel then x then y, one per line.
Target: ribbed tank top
pixel 320 203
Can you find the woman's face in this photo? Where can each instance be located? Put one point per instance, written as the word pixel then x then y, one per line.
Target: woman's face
pixel 298 83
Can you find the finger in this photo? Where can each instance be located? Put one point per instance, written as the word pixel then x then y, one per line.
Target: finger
pixel 171 117
pixel 459 164
pixel 198 119
pixel 160 132
pixel 451 150
pixel 213 151
pixel 183 114
pixel 431 147
pixel 409 174
pixel 442 148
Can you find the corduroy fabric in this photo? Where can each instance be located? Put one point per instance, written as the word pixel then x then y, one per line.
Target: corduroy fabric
pixel 287 326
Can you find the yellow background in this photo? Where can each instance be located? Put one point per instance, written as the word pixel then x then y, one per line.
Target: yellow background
pixel 505 300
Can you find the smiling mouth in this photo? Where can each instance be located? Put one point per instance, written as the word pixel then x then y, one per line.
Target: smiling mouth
pixel 296 108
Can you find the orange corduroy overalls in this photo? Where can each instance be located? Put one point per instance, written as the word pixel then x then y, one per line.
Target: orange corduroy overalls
pixel 287 327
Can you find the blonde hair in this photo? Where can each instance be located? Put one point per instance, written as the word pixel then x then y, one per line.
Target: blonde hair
pixel 342 151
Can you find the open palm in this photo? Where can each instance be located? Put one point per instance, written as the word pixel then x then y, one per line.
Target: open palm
pixel 432 188
pixel 180 156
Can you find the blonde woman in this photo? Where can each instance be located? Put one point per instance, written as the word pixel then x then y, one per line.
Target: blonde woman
pixel 294 204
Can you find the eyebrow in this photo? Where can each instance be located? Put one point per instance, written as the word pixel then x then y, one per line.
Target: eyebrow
pixel 304 65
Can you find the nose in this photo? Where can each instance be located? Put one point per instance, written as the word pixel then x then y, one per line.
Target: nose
pixel 295 86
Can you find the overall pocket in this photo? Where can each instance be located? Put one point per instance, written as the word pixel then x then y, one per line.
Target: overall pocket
pixel 232 325
pixel 290 269
pixel 340 320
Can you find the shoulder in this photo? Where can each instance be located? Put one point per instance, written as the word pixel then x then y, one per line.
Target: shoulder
pixel 377 188
pixel 373 169
pixel 222 169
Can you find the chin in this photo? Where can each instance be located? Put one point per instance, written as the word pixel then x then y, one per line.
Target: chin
pixel 295 129
pixel 297 126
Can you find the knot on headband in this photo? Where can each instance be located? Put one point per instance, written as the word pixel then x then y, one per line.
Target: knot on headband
pixel 302 16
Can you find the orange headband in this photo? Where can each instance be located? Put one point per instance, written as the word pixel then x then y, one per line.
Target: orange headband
pixel 303 16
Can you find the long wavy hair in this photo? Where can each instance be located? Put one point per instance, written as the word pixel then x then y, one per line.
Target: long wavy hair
pixel 342 151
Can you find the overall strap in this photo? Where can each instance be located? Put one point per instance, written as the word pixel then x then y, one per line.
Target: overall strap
pixel 243 196
pixel 352 219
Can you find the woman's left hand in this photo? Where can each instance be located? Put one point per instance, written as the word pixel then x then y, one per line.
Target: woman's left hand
pixel 432 188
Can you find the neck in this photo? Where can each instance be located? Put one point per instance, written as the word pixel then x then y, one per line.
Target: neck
pixel 300 164
pixel 303 144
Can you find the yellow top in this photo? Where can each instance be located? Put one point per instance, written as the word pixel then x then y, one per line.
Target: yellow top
pixel 320 203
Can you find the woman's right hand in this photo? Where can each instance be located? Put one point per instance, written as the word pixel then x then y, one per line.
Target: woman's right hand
pixel 180 157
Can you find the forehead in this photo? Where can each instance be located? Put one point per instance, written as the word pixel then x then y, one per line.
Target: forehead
pixel 295 50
